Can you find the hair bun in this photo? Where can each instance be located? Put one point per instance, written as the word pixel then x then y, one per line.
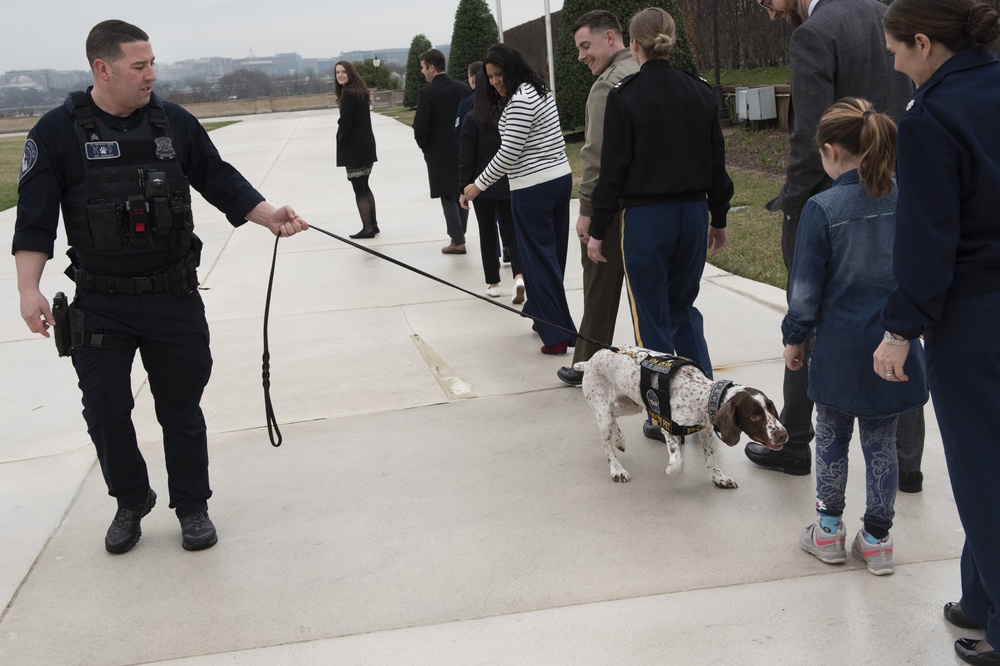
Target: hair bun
pixel 662 44
pixel 983 24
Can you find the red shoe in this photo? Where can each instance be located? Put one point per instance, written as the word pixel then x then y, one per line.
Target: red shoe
pixel 557 348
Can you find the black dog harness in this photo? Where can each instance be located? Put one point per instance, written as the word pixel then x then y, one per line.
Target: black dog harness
pixel 654 386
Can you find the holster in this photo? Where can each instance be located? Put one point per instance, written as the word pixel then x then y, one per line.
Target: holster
pixel 68 331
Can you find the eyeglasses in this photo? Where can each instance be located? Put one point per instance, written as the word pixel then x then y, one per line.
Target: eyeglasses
pixel 766 4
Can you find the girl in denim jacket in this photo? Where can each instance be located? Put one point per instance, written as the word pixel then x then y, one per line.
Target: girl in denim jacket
pixel 841 278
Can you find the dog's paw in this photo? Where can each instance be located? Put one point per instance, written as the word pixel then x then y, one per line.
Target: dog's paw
pixel 722 481
pixel 618 473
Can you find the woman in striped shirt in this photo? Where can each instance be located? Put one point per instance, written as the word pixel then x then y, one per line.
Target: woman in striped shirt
pixel 533 156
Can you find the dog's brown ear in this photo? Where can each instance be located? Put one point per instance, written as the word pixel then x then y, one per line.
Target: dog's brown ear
pixel 725 421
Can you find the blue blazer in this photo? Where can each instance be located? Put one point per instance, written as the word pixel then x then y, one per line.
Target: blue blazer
pixel 949 177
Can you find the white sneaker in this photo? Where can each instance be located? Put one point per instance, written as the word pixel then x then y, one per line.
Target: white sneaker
pixel 878 556
pixel 493 291
pixel 517 296
pixel 827 547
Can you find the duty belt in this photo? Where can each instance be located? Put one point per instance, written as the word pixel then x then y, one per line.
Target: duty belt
pixel 181 278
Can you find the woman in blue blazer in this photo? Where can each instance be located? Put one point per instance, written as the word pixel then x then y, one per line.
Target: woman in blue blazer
pixel 946 260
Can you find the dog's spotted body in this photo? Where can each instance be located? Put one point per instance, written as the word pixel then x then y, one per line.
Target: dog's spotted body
pixel 611 386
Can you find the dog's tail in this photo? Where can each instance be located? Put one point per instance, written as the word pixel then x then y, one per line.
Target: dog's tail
pixel 581 366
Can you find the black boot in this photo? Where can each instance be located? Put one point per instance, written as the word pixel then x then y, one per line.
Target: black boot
pixel 794 460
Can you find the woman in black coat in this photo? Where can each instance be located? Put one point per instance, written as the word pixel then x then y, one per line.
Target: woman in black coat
pixel 356 141
pixel 478 143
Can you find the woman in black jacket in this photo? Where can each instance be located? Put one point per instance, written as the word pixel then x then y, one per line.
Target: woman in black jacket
pixel 479 141
pixel 663 164
pixel 356 141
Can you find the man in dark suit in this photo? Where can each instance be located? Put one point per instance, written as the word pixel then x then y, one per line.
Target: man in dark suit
pixel 434 130
pixel 837 50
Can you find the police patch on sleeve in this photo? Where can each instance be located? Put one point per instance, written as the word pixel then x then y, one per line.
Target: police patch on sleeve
pixel 29 159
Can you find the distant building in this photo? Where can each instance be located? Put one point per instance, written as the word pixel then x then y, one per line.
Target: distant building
pixel 190 71
pixel 286 64
pixel 21 82
pixel 42 80
pixel 398 56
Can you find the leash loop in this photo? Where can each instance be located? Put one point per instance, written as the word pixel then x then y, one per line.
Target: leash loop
pixel 272 421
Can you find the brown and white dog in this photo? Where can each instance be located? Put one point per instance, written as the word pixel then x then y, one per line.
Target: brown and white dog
pixel 611 386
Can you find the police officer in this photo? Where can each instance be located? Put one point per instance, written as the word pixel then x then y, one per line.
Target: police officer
pixel 120 161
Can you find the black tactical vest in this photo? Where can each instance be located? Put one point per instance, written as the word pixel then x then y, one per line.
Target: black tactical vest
pixel 133 199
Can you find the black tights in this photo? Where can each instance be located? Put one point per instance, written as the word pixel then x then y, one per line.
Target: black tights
pixel 366 202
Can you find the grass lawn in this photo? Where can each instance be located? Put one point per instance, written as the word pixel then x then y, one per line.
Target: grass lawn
pixel 754 249
pixel 400 113
pixel 11 150
pixel 216 125
pixel 762 76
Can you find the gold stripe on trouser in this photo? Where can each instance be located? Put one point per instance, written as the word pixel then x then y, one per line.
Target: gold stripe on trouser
pixel 628 284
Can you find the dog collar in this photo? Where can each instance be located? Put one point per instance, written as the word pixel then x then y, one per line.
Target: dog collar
pixel 716 399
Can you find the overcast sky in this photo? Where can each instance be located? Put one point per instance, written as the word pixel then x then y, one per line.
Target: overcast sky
pixel 51 35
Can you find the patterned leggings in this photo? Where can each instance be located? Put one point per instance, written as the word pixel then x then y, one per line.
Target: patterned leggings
pixel 834 430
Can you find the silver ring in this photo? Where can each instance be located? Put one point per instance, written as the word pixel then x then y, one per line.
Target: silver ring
pixel 888 373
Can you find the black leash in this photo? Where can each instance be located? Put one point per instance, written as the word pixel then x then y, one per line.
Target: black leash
pixel 272 422
pixel 491 301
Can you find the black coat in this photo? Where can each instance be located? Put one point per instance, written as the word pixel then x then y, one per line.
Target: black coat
pixel 434 130
pixel 355 139
pixel 662 144
pixel 477 147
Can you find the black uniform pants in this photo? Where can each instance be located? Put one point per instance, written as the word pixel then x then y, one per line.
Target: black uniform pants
pixel 963 374
pixel 173 342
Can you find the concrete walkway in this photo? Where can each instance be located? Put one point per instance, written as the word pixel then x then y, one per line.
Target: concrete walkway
pixel 440 498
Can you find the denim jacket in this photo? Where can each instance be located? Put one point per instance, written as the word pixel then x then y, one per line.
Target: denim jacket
pixel 841 278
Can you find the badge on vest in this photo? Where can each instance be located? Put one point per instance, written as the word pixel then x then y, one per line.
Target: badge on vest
pixel 164 148
pixel 103 150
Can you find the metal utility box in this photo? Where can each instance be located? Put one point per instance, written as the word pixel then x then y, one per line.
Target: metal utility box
pixel 755 104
